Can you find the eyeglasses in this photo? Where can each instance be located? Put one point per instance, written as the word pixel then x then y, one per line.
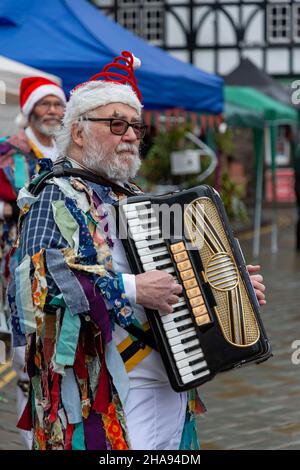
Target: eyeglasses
pixel 120 126
pixel 46 105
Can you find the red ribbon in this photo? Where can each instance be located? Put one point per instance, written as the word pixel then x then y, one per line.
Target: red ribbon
pixel 69 435
pixel 101 402
pixel 25 422
pixel 79 364
pixel 54 398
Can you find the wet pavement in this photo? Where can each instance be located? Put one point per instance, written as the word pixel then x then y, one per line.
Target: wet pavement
pixel 10 438
pixel 257 407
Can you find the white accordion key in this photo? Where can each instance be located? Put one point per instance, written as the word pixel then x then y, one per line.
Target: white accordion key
pixel 134 214
pixel 185 370
pixel 152 251
pixel 170 317
pixel 187 336
pixel 157 264
pixel 147 223
pixel 144 235
pixel 186 356
pixel 177 319
pixel 190 377
pixel 145 230
pixel 150 258
pixel 193 345
pixel 172 329
pixel 185 362
pixel 149 244
pixel 136 205
pixel 181 303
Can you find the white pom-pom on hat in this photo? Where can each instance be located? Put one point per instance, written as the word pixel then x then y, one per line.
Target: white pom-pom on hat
pixel 136 62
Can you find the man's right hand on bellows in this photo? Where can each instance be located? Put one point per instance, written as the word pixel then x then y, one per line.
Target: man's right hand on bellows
pixel 157 290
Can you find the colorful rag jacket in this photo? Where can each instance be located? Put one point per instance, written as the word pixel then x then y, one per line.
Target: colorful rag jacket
pixel 65 299
pixel 16 169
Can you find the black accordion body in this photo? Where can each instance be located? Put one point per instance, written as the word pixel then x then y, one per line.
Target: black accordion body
pixel 216 324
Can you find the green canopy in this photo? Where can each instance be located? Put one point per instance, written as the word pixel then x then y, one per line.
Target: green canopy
pixel 259 107
pixel 248 107
pixel 239 116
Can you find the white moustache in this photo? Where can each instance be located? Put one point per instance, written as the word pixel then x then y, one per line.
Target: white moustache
pixel 45 120
pixel 123 147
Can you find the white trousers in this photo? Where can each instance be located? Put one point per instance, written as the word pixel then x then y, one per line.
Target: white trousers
pixel 155 418
pixel 18 365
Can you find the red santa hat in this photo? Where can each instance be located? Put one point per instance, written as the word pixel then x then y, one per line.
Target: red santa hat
pixel 32 90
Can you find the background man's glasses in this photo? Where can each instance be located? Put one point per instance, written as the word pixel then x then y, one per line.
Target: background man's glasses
pixel 46 105
pixel 120 126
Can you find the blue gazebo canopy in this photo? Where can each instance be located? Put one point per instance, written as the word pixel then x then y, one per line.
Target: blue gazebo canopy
pixel 74 40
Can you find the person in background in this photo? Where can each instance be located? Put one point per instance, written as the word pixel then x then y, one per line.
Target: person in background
pixel 42 105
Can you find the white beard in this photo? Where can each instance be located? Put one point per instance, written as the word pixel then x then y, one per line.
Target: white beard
pixel 46 129
pixel 50 131
pixel 112 166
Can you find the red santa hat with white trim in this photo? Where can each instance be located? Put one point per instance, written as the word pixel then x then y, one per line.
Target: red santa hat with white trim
pixel 32 90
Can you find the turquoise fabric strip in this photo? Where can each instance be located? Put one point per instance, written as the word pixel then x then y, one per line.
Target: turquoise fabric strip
pixel 189 440
pixel 68 337
pixel 24 303
pixel 78 437
pixel 21 175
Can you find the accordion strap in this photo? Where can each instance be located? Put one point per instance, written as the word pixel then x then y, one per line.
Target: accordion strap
pixel 60 171
pixel 144 337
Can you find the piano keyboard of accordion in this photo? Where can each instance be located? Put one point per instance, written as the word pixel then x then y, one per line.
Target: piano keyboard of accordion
pixel 216 324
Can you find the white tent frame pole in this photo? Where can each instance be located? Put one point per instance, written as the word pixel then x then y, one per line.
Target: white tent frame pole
pixel 258 199
pixel 274 229
pixel 207 151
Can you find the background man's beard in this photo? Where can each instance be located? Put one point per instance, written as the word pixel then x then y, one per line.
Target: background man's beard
pixel 113 166
pixel 46 129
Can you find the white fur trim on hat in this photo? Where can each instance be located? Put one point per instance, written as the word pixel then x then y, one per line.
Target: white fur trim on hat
pixel 93 94
pixel 39 93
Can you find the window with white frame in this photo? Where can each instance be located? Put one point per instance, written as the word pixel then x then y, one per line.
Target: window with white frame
pixel 144 18
pixel 296 22
pixel 279 23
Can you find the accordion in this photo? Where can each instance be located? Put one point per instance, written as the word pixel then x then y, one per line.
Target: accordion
pixel 216 325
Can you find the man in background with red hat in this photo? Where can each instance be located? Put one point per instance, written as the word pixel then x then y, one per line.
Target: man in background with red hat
pixel 42 105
